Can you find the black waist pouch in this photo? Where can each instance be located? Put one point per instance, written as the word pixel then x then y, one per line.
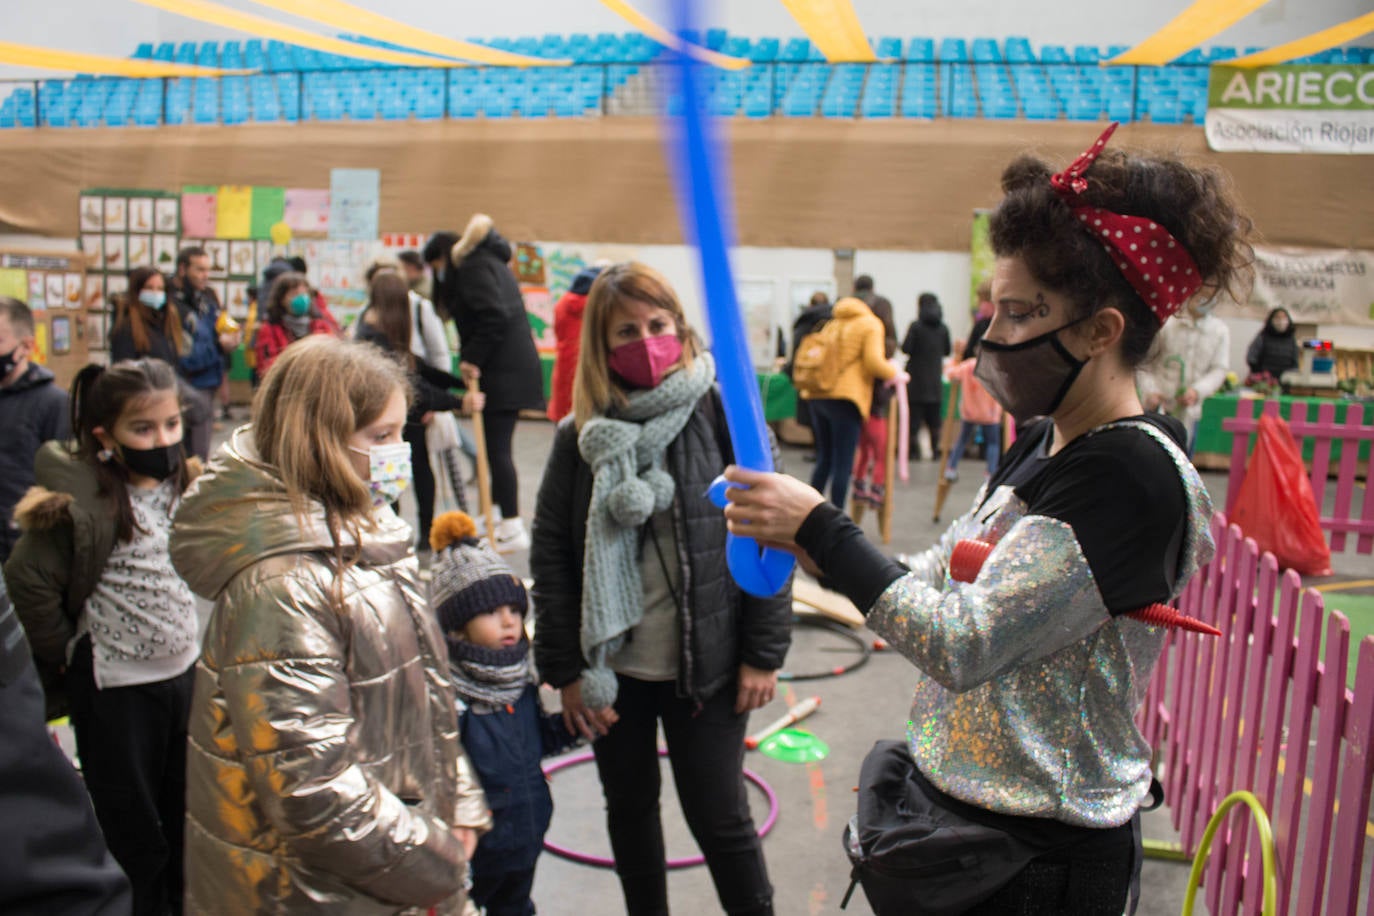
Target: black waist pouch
pixel 913 856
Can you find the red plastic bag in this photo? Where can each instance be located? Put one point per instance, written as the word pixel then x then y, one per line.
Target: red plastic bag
pixel 1275 505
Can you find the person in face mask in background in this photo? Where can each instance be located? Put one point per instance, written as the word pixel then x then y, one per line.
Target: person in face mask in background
pixel 479 292
pixel 112 626
pixel 325 773
pixel 143 325
pixel 33 410
pixel 1094 512
pixel 637 620
pixel 1273 351
pixel 289 316
pixel 1189 363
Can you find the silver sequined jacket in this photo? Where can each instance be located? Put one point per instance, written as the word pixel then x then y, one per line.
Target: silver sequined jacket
pixel 324 772
pixel 1026 685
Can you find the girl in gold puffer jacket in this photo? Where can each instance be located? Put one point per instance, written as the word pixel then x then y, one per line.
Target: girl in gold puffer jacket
pixel 324 771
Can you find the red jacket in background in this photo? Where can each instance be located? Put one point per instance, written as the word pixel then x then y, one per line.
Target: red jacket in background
pixel 272 339
pixel 567 331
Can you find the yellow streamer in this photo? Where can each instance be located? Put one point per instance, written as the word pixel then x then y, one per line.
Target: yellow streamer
pixel 73 62
pixel 834 27
pixel 223 16
pixel 1187 30
pixel 664 37
pixel 1312 44
pixel 347 17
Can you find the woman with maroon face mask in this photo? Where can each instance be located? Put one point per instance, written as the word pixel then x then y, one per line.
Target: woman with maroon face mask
pixel 1029 670
pixel 637 621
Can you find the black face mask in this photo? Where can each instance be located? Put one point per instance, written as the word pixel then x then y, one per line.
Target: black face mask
pixel 157 463
pixel 8 361
pixel 1031 378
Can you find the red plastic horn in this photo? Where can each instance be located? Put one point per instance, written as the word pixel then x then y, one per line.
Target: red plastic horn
pixel 969 555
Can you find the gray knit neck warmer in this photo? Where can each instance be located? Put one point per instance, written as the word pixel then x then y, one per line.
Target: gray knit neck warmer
pixel 629 484
pixel 493 677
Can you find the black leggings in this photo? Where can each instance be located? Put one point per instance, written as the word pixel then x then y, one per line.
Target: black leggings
pixel 414 434
pixel 499 426
pixel 706 749
pixel 132 744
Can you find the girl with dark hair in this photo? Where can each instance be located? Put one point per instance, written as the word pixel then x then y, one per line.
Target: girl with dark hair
pixel 1028 676
pixel 388 322
pixel 143 325
pixel 291 315
pixel 93 582
pixel 1273 351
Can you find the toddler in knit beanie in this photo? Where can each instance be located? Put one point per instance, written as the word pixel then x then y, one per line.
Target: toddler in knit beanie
pixel 481 607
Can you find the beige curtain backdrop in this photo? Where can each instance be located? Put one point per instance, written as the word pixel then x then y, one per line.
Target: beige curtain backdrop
pixel 807 183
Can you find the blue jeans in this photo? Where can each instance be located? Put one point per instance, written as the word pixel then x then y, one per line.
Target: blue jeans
pixel 837 425
pixel 992 444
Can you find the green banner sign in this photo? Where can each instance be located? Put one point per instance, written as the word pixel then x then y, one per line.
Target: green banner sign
pixel 1297 108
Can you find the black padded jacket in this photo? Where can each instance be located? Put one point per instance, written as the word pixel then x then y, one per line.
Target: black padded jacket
pixel 722 626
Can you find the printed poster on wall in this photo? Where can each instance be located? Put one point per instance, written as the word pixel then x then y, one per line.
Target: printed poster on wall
pixel 1316 286
pixel 198 211
pixel 307 210
pixel 354 203
pixel 1294 108
pixel 234 212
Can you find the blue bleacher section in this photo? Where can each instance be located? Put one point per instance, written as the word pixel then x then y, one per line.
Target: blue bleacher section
pixel 914 77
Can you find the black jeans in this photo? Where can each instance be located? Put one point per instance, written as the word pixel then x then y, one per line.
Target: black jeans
pixel 132 744
pixel 837 424
pixel 706 750
pixel 414 435
pixel 504 893
pixel 499 426
pixel 927 415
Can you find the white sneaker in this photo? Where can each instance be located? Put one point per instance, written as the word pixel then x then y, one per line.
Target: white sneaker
pixel 481 522
pixel 511 536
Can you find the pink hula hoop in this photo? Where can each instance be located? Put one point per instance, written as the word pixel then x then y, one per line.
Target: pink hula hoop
pixel 584 858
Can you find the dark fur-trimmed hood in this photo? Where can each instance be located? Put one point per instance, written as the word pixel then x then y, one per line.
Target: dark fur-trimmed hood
pixel 42 509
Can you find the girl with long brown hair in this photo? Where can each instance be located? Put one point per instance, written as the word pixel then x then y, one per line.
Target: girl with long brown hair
pixel 143 324
pixel 325 773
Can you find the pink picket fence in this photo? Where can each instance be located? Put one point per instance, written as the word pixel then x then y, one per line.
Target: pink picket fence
pixel 1265 708
pixel 1323 430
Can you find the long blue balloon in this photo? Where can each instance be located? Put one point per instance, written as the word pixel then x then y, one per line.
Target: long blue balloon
pixel 698 170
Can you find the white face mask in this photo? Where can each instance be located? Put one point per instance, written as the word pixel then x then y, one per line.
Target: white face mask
pixel 389 471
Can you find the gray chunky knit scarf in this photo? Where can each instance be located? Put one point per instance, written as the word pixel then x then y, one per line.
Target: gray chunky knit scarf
pixel 629 484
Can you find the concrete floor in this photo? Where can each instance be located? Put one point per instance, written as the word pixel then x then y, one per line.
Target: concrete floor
pixel 806 863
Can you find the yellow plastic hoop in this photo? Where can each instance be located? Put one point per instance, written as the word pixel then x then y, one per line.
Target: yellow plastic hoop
pixel 1266 834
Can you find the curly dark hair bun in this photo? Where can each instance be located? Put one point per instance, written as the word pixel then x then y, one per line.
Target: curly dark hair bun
pixel 1195 204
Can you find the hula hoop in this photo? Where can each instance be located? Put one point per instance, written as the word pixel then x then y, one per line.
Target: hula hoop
pixel 837 629
pixel 585 858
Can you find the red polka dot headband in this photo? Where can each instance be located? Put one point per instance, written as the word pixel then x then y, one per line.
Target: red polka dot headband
pixel 1152 261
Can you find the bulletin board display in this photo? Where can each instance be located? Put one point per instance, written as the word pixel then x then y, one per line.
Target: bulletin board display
pixel 54 287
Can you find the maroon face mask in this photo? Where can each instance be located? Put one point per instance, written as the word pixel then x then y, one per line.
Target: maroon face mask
pixel 644 362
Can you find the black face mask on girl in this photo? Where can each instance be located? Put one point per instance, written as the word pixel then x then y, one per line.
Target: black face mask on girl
pixel 158 463
pixel 1031 378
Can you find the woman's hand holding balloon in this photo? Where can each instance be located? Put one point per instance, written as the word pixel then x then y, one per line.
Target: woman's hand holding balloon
pixel 768 507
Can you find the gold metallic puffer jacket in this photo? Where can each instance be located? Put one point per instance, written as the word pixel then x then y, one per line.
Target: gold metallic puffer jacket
pixel 324 772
